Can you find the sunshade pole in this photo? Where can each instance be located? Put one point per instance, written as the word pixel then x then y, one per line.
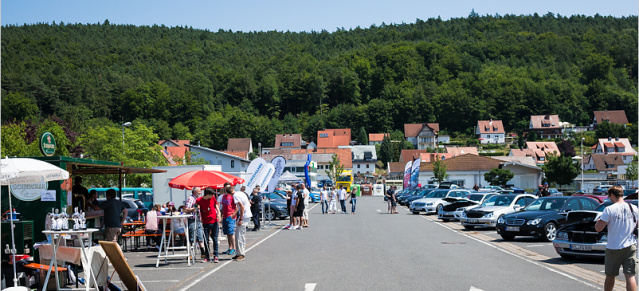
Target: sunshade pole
pixel 13 243
pixel 120 183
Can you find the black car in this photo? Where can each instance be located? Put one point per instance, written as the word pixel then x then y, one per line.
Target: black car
pixel 134 207
pixel 542 217
pixel 274 206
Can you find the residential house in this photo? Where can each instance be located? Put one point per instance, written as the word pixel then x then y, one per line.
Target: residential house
pixel 604 163
pixel 230 163
pixel 422 135
pixel 322 158
pixel 175 151
pixel 468 170
pixel 612 116
pixel 364 158
pixel 377 138
pixel 395 171
pixel 288 141
pixel 538 151
pixel 491 131
pixel 240 147
pixel 619 146
pixel 546 126
pixel 333 138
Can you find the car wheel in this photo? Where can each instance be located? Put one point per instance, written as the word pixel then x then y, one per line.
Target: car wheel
pixel 550 232
pixel 269 214
pixel 445 219
pixel 469 227
pixel 439 208
pixel 507 236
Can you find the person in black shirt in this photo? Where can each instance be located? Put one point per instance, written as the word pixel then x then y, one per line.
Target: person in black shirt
pixel 256 207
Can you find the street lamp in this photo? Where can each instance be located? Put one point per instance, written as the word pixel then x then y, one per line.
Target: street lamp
pixel 259 149
pixel 127 124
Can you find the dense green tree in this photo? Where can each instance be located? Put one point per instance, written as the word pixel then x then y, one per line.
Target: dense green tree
pixel 362 137
pixel 560 169
pixel 498 177
pixel 439 170
pixel 385 153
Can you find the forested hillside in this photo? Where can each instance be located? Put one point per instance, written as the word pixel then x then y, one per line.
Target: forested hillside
pixel 205 86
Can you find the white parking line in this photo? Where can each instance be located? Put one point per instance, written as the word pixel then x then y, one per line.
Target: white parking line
pixel 310 286
pixel 536 246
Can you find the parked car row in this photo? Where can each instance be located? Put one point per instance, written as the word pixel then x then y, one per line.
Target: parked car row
pixel 567 221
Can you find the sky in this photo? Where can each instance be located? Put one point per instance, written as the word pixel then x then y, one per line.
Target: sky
pixel 289 15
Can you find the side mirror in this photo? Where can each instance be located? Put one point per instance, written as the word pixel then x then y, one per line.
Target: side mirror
pixel 517 207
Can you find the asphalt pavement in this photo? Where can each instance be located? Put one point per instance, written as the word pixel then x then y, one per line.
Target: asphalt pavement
pixel 373 250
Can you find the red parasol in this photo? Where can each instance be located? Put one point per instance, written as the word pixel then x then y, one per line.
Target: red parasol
pixel 213 179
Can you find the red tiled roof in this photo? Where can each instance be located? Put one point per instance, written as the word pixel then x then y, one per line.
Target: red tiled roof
pixel 296 139
pixel 344 155
pixel 603 161
pixel 396 167
pixel 608 144
pixel 175 155
pixel 619 144
pixel 458 151
pixel 334 138
pixel 377 136
pixel 490 126
pixel 240 154
pixel 412 129
pixel 239 144
pixel 538 120
pixel 409 155
pixel 612 116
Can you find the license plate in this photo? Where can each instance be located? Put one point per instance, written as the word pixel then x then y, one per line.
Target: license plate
pixel 512 228
pixel 472 221
pixel 581 247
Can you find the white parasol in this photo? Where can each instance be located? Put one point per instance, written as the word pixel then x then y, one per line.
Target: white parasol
pixel 25 171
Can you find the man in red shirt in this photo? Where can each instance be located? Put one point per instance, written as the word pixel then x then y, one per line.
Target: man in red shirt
pixel 229 211
pixel 210 214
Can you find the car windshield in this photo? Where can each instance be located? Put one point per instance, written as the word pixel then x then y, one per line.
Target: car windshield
pixel 550 204
pixel 498 200
pixel 437 194
pixel 475 197
pixel 601 207
pixel 139 204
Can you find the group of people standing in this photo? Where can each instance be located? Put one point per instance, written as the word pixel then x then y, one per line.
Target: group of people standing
pixel 391 199
pixel 329 199
pixel 297 199
pixel 229 208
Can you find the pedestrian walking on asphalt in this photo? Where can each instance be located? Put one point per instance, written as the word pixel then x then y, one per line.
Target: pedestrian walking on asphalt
pixel 353 197
pixel 621 247
pixel 243 217
pixel 256 207
pixel 307 196
pixel 229 212
pixel 210 213
pixel 332 202
pixel 196 234
pixel 342 199
pixel 323 199
pixel 114 215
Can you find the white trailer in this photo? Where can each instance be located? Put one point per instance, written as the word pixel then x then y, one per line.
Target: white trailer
pixel 162 192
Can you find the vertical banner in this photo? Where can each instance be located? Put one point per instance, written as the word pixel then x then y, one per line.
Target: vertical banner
pixel 308 178
pixel 407 171
pixel 279 163
pixel 414 176
pixel 254 173
pixel 268 174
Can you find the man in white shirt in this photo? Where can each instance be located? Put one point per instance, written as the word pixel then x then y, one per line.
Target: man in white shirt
pixel 307 195
pixel 621 249
pixel 332 202
pixel 342 199
pixel 323 199
pixel 243 203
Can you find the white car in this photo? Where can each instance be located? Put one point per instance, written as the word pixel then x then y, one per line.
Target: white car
pixel 491 209
pixel 433 202
pixel 454 210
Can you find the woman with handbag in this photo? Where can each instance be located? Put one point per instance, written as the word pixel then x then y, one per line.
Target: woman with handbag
pixel 353 197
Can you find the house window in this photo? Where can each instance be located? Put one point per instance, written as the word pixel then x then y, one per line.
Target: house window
pixel 358 166
pixel 287 144
pixel 488 136
pixel 367 166
pixel 323 134
pixel 232 164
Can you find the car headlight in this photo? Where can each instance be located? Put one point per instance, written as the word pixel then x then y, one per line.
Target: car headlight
pixel 603 239
pixel 562 235
pixel 463 214
pixel 429 204
pixel 488 215
pixel 534 221
pixel 461 209
pixel 501 220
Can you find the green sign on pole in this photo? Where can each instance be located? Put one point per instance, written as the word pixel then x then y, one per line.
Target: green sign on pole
pixel 47 144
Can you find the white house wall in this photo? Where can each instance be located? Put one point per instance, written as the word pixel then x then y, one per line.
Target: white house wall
pixel 222 160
